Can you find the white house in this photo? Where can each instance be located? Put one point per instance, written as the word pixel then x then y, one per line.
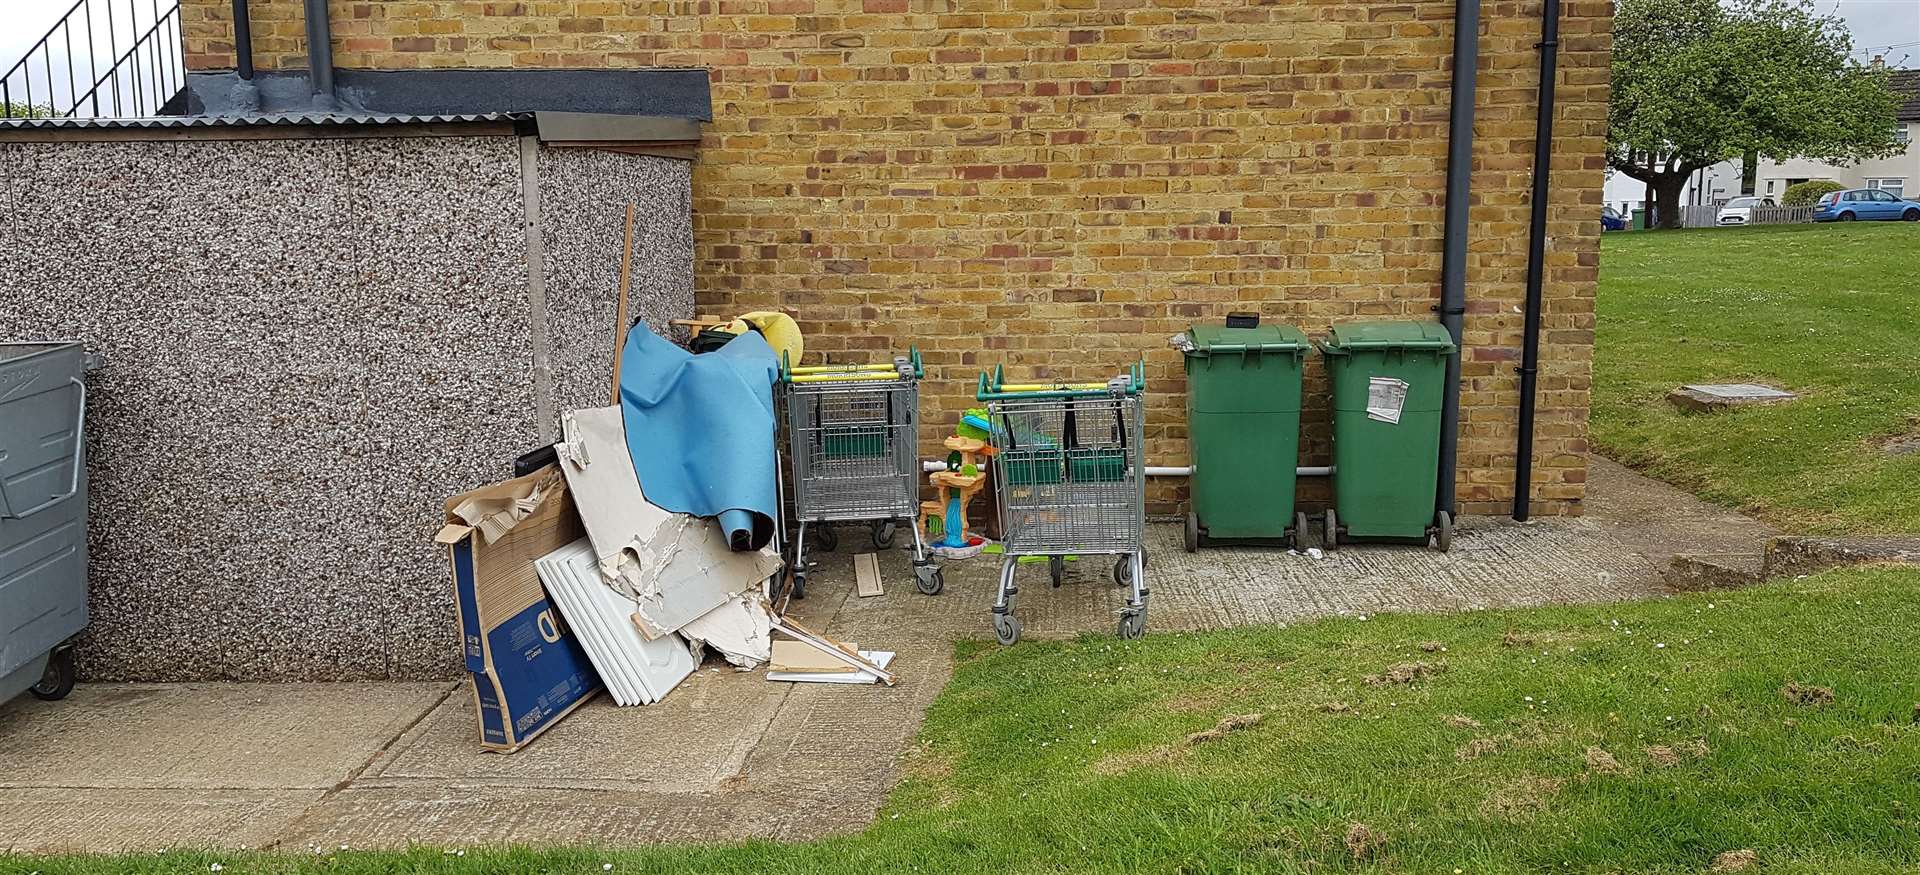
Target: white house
pixel 1899 174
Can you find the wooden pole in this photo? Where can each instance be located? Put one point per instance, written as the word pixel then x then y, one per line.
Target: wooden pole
pixel 620 306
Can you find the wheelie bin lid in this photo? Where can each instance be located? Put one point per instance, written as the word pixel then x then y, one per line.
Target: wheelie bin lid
pixel 1212 339
pixel 1395 334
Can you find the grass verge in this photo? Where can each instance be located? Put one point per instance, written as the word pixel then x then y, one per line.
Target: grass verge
pixel 1830 311
pixel 1649 738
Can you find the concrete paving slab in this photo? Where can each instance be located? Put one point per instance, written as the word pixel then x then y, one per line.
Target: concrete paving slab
pixel 689 742
pixel 63 820
pixel 211 736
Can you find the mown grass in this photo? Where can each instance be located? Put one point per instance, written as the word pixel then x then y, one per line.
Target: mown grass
pixel 1831 311
pixel 1073 756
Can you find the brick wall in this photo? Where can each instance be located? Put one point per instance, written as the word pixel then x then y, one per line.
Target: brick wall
pixel 1062 184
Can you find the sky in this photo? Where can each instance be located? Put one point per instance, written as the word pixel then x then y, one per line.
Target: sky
pixel 1885 27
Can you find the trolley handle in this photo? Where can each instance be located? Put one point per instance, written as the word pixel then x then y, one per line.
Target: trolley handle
pixel 907 367
pixel 994 386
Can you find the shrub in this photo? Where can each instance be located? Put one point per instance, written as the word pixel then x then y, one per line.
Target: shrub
pixel 1805 193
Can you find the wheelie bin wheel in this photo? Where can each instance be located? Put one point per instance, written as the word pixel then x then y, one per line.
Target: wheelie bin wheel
pixel 1299 539
pixel 1443 531
pixel 59 677
pixel 1057 569
pixel 1192 534
pixel 1332 539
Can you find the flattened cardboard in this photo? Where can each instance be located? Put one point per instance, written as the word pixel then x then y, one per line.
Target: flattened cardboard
pixel 525 668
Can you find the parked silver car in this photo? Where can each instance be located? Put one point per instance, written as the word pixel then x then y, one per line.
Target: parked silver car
pixel 1739 211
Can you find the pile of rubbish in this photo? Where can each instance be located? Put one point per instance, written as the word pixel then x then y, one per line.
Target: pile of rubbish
pixel 640 541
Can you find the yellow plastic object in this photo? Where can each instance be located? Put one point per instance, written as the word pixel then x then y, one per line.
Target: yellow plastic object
pixel 1050 387
pixel 842 376
pixel 781 332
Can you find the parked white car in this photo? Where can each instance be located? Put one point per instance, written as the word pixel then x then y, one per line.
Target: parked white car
pixel 1739 211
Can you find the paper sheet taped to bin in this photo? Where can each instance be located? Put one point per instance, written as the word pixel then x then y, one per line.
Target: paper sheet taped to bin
pixel 1386 397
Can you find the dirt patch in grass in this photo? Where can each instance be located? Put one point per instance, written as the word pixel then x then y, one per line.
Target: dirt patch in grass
pixel 1431 647
pixel 1735 861
pixel 1807 695
pixel 1903 443
pixel 1225 727
pixel 1663 756
pixel 1405 673
pixel 1516 639
pixel 1602 763
pixel 1521 798
pixel 1344 708
pixel 1363 841
pixel 1480 747
pixel 1121 763
pixel 1461 721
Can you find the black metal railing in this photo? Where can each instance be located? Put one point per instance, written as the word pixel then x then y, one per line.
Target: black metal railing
pixel 115 58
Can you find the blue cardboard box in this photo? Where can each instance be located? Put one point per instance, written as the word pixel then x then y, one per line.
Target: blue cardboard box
pixel 527 671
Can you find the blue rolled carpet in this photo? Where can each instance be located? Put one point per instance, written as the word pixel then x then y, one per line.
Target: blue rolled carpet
pixel 701 432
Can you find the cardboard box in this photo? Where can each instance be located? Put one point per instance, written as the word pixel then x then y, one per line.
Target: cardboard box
pixel 527 670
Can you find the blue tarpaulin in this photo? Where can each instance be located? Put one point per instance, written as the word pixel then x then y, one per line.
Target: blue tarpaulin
pixel 700 429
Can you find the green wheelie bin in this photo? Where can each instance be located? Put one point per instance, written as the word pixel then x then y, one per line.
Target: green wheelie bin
pixel 1243 428
pixel 1388 382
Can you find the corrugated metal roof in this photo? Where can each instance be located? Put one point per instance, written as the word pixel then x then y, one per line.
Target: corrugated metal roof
pixel 249 121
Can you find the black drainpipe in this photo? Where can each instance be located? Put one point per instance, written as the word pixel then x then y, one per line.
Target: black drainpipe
pixel 1536 256
pixel 1453 266
pixel 320 55
pixel 242 40
pixel 246 96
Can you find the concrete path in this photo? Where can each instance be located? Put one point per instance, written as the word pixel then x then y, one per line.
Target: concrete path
pixel 727 756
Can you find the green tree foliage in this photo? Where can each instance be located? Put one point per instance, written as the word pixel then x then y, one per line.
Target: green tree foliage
pixel 1802 194
pixel 1696 82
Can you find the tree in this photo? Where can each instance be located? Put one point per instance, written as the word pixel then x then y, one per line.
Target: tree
pixel 1697 82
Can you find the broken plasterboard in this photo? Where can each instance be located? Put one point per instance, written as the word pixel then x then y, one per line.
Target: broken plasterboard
pixel 798 656
pixel 866 574
pixel 674 567
pixel 637 671
pixel 831 647
pixel 740 628
pixel 877 657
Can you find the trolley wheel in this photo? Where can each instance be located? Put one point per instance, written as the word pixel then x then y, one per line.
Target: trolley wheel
pixel 1006 628
pixel 1332 539
pixel 1300 530
pixel 1123 569
pixel 825 539
pixel 1133 624
pixel 929 580
pixel 1057 568
pixel 1443 531
pixel 59 678
pixel 1192 533
pixel 799 586
pixel 883 534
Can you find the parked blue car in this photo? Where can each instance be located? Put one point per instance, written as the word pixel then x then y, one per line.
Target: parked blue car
pixel 1610 219
pixel 1864 204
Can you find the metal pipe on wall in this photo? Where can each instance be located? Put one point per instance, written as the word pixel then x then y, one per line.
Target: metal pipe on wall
pixel 242 41
pixel 1536 257
pixel 320 55
pixel 930 466
pixel 1453 264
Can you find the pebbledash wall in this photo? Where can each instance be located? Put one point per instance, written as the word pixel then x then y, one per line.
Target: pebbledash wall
pixel 310 344
pixel 1062 184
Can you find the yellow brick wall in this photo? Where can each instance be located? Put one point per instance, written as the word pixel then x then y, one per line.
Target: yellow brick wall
pixel 1062 184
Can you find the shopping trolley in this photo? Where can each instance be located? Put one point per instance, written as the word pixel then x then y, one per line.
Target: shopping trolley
pixel 853 452
pixel 1069 472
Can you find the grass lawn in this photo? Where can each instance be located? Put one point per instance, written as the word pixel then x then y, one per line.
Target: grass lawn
pixel 1831 311
pixel 1642 738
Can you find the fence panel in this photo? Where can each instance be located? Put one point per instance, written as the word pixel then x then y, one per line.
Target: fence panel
pixel 1782 215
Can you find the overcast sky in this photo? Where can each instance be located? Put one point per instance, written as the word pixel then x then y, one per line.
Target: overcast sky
pixel 1883 27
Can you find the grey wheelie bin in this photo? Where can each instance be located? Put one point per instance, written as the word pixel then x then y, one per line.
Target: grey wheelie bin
pixel 43 515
